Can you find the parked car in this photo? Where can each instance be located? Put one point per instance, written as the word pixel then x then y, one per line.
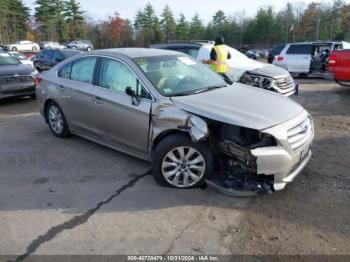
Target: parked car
pixel 23 59
pixel 23 46
pixel 273 52
pixel 84 45
pixel 339 67
pixel 51 45
pixel 252 54
pixel 3 48
pixel 51 57
pixel 307 57
pixel 167 108
pixel 240 67
pixel 16 79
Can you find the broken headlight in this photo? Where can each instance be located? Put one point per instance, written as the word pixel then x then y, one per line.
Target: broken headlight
pixel 246 137
pixel 256 80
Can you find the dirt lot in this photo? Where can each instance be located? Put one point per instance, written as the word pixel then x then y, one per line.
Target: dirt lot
pixel 75 197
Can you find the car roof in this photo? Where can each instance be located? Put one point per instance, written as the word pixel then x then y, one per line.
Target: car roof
pixel 182 44
pixel 134 52
pixel 316 43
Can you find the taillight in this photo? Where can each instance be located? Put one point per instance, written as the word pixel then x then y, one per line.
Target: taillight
pixel 332 60
pixel 37 80
pixel 280 58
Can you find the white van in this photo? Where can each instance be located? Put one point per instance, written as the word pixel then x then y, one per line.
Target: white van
pixel 307 57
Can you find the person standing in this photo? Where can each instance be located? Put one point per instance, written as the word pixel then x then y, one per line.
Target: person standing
pixel 218 57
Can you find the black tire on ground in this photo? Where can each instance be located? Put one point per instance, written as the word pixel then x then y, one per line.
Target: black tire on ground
pixel 171 142
pixel 65 130
pixel 33 96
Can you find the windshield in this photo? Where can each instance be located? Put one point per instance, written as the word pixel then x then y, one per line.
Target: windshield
pixel 176 75
pixel 6 59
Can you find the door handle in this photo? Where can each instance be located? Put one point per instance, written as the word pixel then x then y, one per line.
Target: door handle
pixel 61 88
pixel 97 100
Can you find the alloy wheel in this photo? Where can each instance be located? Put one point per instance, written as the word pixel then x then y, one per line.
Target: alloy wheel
pixel 183 166
pixel 56 119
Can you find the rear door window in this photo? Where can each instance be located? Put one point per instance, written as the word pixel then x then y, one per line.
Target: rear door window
pixel 83 70
pixel 303 49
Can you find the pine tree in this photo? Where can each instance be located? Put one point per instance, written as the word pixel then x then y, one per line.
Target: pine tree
pixel 182 28
pixel 196 28
pixel 74 19
pixel 45 14
pixel 168 24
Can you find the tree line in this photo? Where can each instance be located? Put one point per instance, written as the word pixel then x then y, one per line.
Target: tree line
pixel 64 20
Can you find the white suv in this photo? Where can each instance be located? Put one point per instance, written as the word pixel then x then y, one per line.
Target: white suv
pixel 307 57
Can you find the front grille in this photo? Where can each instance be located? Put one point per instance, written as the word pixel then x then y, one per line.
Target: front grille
pixel 16 80
pixel 300 134
pixel 286 83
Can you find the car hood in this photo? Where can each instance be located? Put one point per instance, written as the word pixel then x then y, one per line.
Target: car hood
pixel 241 105
pixel 270 71
pixel 10 70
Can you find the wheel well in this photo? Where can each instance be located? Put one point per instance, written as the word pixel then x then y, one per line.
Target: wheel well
pixel 165 134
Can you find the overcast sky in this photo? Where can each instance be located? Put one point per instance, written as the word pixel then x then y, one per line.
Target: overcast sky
pixel 98 9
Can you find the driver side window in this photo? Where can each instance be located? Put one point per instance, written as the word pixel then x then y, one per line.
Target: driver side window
pixel 116 76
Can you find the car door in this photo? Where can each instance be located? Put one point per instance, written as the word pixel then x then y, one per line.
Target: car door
pixel 123 121
pixel 27 46
pixel 298 58
pixel 77 98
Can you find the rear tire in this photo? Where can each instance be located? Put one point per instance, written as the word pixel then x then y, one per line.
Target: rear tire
pixel 179 162
pixel 56 120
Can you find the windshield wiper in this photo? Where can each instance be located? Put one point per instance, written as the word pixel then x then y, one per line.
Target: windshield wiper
pixel 208 88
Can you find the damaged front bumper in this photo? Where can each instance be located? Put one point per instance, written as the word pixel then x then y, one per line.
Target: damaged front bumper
pixel 268 167
pixel 293 151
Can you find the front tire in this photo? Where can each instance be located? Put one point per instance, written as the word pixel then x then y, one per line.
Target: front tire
pixel 56 120
pixel 179 162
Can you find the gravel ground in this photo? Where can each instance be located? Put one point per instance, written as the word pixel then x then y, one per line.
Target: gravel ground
pixel 75 197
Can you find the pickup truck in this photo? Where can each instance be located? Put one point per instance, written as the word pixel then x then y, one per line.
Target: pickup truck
pixel 339 67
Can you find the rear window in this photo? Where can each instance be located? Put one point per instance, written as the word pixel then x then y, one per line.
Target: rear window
pixel 300 50
pixel 277 50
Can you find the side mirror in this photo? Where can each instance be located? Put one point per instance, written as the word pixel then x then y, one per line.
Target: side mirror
pixel 130 92
pixel 134 99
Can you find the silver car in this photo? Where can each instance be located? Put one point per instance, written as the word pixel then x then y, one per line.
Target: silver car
pixel 165 107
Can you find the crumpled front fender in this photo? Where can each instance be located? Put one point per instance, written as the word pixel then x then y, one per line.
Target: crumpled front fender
pixel 167 117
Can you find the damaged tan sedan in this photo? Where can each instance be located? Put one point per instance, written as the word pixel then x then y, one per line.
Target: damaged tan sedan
pixel 164 107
